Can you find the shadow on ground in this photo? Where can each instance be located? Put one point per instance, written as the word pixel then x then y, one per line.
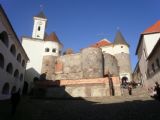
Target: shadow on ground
pixel 80 109
pixel 43 106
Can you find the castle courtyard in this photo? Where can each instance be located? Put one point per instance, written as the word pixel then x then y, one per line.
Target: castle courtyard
pixel 108 108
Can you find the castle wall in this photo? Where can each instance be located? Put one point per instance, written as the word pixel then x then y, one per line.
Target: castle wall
pixel 110 65
pixel 87 64
pixel 98 87
pixel 92 63
pixel 124 65
pixel 68 67
pixel 48 67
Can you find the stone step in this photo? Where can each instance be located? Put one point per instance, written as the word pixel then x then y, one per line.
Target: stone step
pixel 136 92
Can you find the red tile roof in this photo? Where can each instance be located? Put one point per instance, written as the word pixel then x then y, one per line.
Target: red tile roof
pixel 155 28
pixel 52 37
pixel 101 43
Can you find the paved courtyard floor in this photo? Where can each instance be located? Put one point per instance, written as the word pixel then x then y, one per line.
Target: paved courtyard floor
pixel 111 108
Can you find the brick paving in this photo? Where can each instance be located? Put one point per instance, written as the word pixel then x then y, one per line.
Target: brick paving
pixel 109 108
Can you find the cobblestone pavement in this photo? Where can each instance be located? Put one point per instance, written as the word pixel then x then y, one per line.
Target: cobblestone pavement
pixel 109 108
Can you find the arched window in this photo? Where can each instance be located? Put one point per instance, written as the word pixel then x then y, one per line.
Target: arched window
pixel 21 77
pixel 39 28
pixel 4 38
pixel 13 89
pixel 23 63
pixel 5 89
pixel 46 49
pixel 19 57
pixel 13 49
pixel 9 68
pixel 1 61
pixel 16 73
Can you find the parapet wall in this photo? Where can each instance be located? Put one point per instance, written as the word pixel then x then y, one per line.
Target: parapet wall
pixel 98 87
pixel 88 64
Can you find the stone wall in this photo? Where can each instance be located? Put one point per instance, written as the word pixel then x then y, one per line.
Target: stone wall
pixel 124 65
pixel 87 64
pixel 82 88
pixel 92 63
pixel 48 67
pixel 69 67
pixel 110 65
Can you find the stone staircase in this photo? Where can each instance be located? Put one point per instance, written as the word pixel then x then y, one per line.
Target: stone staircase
pixel 139 93
pixel 136 92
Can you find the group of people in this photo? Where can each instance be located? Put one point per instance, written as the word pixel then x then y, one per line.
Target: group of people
pixel 155 92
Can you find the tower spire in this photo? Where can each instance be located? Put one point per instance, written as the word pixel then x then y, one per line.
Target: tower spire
pixel 119 39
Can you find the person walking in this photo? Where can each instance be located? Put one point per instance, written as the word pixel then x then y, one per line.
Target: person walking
pixel 157 89
pixel 130 89
pixel 15 99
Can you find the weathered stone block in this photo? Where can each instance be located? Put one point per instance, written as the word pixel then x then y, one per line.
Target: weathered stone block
pixel 110 65
pixel 92 63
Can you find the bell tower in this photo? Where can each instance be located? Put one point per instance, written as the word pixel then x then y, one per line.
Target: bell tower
pixel 39 27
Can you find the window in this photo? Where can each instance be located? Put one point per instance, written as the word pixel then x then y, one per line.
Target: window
pixel 39 28
pixel 9 68
pixel 4 38
pixel 21 77
pixel 19 57
pixel 121 46
pixel 157 62
pixel 13 49
pixel 46 49
pixel 23 63
pixel 1 61
pixel 53 50
pixel 16 73
pixel 5 89
pixel 153 68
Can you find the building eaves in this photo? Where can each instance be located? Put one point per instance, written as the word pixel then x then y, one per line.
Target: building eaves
pixel 5 15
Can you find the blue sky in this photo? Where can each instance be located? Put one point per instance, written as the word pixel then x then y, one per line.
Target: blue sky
pixel 80 23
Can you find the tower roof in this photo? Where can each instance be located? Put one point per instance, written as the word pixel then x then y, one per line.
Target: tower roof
pixel 155 28
pixel 101 43
pixel 119 39
pixel 41 15
pixel 53 37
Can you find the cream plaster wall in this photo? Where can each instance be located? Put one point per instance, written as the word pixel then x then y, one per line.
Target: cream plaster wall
pixel 150 40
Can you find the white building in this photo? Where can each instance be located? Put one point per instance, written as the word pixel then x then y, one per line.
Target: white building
pixel 148 39
pixel 38 46
pixel 13 59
